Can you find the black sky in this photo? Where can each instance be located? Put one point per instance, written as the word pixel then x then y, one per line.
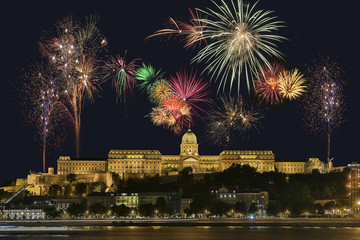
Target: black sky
pixel 313 27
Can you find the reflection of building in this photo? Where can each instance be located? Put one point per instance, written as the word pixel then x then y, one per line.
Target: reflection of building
pixel 233 195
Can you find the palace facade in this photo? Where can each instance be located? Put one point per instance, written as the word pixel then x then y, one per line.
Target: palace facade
pixel 141 163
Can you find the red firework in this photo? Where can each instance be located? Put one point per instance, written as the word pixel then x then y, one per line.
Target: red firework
pixel 192 32
pixel 267 86
pixel 190 89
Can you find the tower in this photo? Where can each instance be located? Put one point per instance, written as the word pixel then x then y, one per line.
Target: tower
pixel 189 146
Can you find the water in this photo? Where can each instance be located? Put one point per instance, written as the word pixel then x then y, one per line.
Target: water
pixel 181 233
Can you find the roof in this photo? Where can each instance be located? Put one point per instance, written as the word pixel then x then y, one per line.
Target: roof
pixel 189 137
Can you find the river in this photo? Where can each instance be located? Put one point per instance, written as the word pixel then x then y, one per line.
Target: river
pixel 180 233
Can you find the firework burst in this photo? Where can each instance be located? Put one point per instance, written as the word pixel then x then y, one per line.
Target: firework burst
pixel 230 118
pixel 122 75
pixel 159 90
pixel 267 86
pixel 324 102
pixel 190 89
pixel 239 41
pixel 291 84
pixel 147 76
pixel 41 100
pixel 73 51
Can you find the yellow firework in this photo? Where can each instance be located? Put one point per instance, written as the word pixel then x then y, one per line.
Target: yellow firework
pixel 292 84
pixel 159 90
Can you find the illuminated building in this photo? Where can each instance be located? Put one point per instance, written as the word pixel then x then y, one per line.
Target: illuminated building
pixel 141 163
pixel 354 186
pixel 129 199
pixel 233 195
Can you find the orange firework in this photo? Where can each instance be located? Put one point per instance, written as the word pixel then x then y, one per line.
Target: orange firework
pixel 267 86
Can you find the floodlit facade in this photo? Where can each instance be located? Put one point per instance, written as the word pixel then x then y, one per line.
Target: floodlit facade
pixel 141 163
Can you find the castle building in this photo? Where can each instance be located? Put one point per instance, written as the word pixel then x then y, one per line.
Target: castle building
pixel 141 163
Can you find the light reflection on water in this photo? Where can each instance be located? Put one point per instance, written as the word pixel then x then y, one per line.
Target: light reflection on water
pixel 181 233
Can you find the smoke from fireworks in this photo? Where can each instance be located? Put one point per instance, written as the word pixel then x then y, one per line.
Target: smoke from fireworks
pixel 324 103
pixel 229 118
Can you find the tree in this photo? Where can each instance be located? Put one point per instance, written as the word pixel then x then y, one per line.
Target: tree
pixel 71 177
pixel 253 208
pixel 297 198
pixel 240 207
pixel 76 209
pixel 55 190
pixel 146 210
pixel 51 212
pixel 98 209
pixel 98 187
pixel 186 173
pixel 80 188
pixel 218 207
pixel 273 209
pixel 121 211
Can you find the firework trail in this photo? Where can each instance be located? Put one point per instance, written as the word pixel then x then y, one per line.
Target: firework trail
pixel 122 75
pixel 73 51
pixel 191 34
pixel 147 76
pixel 239 41
pixel 43 108
pixel 324 103
pixel 229 118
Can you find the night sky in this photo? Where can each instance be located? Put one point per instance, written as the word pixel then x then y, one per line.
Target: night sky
pixel 313 27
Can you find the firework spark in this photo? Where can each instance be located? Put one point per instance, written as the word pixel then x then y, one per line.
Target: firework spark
pixel 190 89
pixel 159 90
pixel 73 51
pixel 43 108
pixel 239 41
pixel 291 84
pixel 267 86
pixel 147 76
pixel 324 102
pixel 190 33
pixel 230 117
pixel 122 75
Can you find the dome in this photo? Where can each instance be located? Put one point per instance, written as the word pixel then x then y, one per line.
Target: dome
pixel 189 137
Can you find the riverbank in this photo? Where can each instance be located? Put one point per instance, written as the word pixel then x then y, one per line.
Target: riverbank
pixel 291 222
